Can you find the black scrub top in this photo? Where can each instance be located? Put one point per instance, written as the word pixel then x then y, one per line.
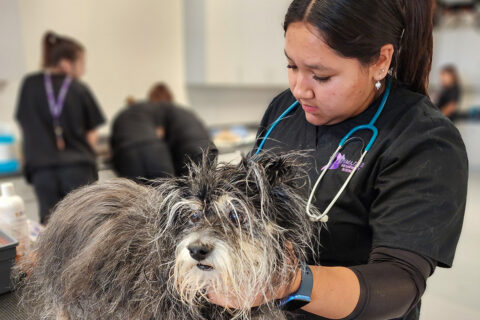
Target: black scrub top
pixel 188 139
pixel 137 124
pixel 447 96
pixel 185 134
pixel 409 192
pixel 80 114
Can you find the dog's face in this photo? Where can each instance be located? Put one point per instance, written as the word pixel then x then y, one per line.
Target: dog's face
pixel 226 244
pixel 238 229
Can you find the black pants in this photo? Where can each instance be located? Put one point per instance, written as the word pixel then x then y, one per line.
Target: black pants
pixel 53 184
pixel 146 161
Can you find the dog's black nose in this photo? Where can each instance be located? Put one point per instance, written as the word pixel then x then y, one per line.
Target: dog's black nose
pixel 199 252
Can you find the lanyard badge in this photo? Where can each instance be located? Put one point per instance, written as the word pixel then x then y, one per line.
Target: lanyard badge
pixel 56 107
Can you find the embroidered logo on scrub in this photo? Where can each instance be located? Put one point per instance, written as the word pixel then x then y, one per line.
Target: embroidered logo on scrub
pixel 341 162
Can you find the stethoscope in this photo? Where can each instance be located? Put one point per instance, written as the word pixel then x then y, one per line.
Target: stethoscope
pixel 323 217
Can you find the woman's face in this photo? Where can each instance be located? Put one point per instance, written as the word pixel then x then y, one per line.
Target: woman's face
pixel 446 79
pixel 75 69
pixel 79 65
pixel 330 87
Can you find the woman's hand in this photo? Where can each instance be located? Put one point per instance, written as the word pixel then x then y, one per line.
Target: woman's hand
pixel 229 302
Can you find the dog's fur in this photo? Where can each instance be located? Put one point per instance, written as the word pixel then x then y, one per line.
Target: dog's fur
pixel 119 250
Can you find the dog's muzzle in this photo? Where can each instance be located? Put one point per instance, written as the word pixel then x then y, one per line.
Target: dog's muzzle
pixel 200 252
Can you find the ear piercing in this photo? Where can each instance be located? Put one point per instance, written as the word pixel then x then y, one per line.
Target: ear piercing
pixel 378 84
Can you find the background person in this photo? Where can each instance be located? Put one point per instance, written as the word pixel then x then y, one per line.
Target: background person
pixel 187 138
pixel 138 142
pixel 450 92
pixel 58 116
pixel 157 138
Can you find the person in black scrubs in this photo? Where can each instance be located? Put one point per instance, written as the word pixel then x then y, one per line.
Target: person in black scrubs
pixel 156 138
pixel 187 139
pixel 58 116
pixel 138 143
pixel 401 214
pixel 450 92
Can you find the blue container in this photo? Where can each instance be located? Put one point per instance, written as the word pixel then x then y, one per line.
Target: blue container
pixel 9 167
pixel 6 139
pixel 8 163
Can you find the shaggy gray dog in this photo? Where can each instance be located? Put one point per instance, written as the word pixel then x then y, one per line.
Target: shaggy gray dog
pixel 119 250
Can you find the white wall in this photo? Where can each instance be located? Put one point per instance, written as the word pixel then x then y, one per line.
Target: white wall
pixel 235 60
pixel 228 104
pixel 461 47
pixel 242 42
pixel 130 45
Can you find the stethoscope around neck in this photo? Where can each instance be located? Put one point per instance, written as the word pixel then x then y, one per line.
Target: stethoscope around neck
pixel 323 216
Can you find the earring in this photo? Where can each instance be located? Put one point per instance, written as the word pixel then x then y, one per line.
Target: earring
pixel 378 85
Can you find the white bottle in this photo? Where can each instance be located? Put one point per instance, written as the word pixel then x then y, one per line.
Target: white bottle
pixel 12 214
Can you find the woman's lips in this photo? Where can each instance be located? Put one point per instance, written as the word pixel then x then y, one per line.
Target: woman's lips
pixel 309 109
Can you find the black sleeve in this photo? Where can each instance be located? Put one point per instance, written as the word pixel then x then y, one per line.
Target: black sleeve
pixel 391 284
pixel 22 101
pixel 91 110
pixel 447 96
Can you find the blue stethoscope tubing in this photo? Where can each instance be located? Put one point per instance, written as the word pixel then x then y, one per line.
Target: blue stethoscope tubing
pixel 323 217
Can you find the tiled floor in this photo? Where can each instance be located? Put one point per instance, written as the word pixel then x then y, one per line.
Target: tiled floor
pixel 451 293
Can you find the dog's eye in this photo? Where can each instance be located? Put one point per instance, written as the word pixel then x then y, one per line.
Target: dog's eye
pixel 236 217
pixel 195 217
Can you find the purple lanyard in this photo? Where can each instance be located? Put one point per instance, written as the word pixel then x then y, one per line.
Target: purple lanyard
pixel 56 107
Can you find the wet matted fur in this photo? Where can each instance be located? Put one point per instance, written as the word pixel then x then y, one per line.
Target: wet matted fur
pixel 120 250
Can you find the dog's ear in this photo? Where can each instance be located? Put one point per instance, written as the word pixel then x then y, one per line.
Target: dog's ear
pixel 280 168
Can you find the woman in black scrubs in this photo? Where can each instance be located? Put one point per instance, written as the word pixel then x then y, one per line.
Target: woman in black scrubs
pixel 58 116
pixel 401 214
pixel 156 139
pixel 138 144
pixel 450 92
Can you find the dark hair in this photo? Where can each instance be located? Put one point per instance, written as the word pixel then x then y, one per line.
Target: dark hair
pixel 56 48
pixel 359 28
pixel 452 70
pixel 160 93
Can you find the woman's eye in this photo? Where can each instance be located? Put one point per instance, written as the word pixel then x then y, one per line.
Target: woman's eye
pixel 321 79
pixel 195 217
pixel 291 66
pixel 236 217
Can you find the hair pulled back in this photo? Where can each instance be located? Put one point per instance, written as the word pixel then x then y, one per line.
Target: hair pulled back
pixel 56 48
pixel 360 28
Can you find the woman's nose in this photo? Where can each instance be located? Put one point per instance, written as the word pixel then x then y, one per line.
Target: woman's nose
pixel 302 88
